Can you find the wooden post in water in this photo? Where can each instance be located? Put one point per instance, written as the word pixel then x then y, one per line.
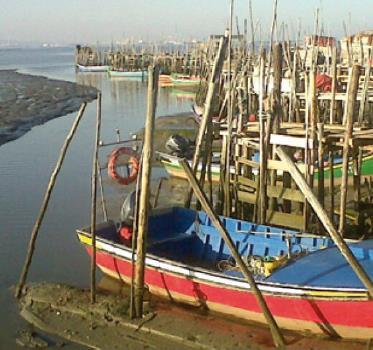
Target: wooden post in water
pixel 353 86
pixel 145 188
pixel 94 199
pixel 276 333
pixel 323 217
pixel 227 201
pixel 276 112
pixel 212 89
pixel 262 195
pixel 44 206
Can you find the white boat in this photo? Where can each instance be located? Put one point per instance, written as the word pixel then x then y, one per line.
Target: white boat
pixel 92 68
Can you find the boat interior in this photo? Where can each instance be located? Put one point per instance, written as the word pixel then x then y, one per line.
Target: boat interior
pixel 188 237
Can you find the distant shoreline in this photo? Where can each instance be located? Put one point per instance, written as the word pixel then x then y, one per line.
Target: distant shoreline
pixel 29 100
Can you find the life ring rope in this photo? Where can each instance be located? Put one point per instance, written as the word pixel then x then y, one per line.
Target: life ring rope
pixel 112 165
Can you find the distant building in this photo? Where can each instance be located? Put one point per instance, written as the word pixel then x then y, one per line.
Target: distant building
pixel 355 48
pixel 324 45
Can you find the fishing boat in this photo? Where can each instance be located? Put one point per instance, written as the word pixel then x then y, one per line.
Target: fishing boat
pixel 180 80
pixel 141 74
pixel 165 80
pixel 102 68
pixel 173 167
pixel 306 282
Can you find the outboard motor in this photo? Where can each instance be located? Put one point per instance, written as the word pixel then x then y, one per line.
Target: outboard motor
pixel 127 212
pixel 178 145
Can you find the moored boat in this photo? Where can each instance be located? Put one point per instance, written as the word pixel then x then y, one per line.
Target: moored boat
pixel 313 290
pixel 184 80
pixel 142 74
pixel 173 167
pixel 100 68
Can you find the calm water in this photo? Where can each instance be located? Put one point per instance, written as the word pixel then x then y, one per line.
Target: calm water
pixel 25 166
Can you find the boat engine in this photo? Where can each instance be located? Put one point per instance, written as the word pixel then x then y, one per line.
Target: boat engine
pixel 127 211
pixel 178 146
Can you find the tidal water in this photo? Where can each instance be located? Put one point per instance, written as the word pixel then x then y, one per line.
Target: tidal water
pixel 25 167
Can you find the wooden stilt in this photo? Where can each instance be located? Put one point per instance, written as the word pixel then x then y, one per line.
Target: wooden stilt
pixel 276 333
pixel 145 192
pixel 353 85
pixel 212 89
pixel 94 199
pixel 44 206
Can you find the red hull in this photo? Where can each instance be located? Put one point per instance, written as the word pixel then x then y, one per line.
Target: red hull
pixel 344 318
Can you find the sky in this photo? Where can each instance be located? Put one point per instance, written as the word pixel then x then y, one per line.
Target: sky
pixel 89 21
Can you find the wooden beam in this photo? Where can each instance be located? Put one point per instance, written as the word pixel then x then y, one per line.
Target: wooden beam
pixel 212 89
pixel 276 333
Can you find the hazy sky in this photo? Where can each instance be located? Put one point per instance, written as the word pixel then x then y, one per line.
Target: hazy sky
pixel 72 21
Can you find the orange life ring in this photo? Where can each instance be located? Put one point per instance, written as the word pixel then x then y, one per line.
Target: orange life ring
pixel 112 165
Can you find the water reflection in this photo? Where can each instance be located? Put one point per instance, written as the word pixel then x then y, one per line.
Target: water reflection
pixel 25 166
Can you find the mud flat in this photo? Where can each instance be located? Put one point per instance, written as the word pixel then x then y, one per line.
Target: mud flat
pixel 66 311
pixel 28 100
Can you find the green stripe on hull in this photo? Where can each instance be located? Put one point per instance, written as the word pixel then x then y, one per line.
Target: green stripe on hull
pixel 366 169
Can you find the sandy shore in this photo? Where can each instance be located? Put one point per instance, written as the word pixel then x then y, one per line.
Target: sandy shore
pixel 27 100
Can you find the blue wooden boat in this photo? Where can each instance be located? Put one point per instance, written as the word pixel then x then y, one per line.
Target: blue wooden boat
pixel 307 284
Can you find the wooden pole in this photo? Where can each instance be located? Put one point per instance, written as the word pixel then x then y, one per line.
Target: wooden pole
pixel 227 204
pixel 320 160
pixel 262 154
pixel 274 23
pixel 352 88
pixel 364 93
pixel 134 240
pixel 252 28
pixel 323 217
pixel 212 89
pixel 334 86
pixel 276 333
pixel 145 188
pixel 44 206
pixel 331 183
pixel 94 199
pixel 276 109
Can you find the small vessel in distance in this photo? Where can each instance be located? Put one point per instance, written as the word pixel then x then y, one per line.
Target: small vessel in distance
pixel 142 74
pixel 99 68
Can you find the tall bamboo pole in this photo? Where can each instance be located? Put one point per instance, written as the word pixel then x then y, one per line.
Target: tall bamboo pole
pixel 145 188
pixel 276 108
pixel 227 194
pixel 44 206
pixel 252 28
pixel 276 333
pixel 262 154
pixel 334 86
pixel 94 199
pixel 212 90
